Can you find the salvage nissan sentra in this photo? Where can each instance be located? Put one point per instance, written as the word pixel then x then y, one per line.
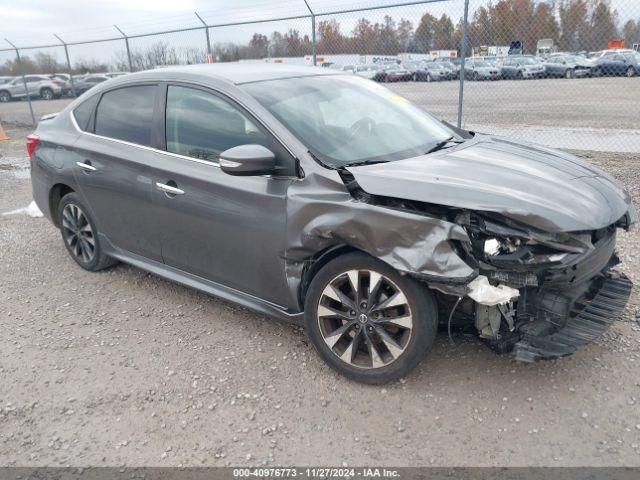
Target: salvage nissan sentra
pixel 323 198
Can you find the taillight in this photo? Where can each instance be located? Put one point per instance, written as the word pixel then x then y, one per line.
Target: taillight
pixel 32 143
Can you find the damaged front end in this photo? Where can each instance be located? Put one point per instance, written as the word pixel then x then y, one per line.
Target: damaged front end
pixel 541 295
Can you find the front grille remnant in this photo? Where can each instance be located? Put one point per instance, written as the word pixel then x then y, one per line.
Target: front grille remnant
pixel 588 320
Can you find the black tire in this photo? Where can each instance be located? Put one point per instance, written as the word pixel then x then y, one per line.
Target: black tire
pixel 429 78
pixel 47 94
pixel 597 72
pixel 97 260
pixel 422 311
pixel 630 72
pixel 476 77
pixel 519 75
pixel 569 73
pixel 5 96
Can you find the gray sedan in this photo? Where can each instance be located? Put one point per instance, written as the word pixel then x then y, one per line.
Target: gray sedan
pixel 567 66
pixel 322 198
pixel 481 70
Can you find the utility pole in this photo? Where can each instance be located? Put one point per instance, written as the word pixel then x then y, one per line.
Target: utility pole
pixel 66 53
pixel 313 32
pixel 24 82
pixel 465 23
pixel 206 31
pixel 126 42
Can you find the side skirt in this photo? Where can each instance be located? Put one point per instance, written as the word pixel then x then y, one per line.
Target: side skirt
pixel 207 286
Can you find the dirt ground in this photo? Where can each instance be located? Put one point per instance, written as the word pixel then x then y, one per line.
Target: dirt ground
pixel 124 368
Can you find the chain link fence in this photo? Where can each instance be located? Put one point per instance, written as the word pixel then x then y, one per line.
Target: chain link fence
pixel 563 73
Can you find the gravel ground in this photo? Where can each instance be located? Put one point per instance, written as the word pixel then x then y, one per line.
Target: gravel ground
pixel 123 368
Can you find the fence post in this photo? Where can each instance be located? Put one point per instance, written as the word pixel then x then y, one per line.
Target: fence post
pixel 66 53
pixel 465 22
pixel 126 42
pixel 24 82
pixel 206 31
pixel 313 32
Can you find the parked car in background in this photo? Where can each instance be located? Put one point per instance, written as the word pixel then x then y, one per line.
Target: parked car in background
pixel 567 66
pixel 392 72
pixel 88 82
pixel 366 71
pixel 321 198
pixel 452 64
pixel 614 63
pixel 476 69
pixel 430 72
pixel 64 81
pixel 37 86
pixel 522 66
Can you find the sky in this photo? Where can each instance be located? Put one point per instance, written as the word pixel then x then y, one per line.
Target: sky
pixel 34 22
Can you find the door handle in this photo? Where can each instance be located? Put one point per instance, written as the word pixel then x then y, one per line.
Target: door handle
pixel 86 166
pixel 169 189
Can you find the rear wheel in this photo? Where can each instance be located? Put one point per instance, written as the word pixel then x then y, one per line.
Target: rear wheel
pixel 519 75
pixel 630 72
pixel 569 73
pixel 5 97
pixel 46 94
pixel 80 235
pixel 429 78
pixel 476 77
pixel 367 321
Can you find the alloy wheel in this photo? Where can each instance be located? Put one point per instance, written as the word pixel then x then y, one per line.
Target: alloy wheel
pixel 4 97
pixel 78 234
pixel 47 94
pixel 630 72
pixel 365 319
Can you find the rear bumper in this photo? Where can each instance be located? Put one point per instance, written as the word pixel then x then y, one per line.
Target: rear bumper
pixel 572 319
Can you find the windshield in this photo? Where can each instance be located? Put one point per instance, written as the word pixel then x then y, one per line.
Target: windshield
pixel 527 61
pixel 345 120
pixel 481 64
pixel 437 66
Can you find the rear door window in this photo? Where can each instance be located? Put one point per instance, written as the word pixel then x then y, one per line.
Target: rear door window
pixel 201 125
pixel 127 113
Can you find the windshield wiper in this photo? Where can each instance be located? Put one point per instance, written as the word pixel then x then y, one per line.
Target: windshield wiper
pixel 365 162
pixel 440 145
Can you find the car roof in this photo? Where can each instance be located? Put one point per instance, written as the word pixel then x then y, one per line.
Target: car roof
pixel 236 73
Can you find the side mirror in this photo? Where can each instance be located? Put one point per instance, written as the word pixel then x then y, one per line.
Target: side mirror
pixel 248 160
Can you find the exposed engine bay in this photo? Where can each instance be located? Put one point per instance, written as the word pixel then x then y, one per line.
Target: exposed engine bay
pixel 541 295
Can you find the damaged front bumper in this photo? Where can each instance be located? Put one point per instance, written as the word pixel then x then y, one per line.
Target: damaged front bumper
pixel 567 322
pixel 546 311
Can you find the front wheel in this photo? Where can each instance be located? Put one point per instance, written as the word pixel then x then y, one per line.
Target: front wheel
pixel 80 234
pixel 367 321
pixel 5 97
pixel 630 72
pixel 569 73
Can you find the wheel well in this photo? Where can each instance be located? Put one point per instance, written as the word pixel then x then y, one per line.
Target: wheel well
pixel 58 191
pixel 315 263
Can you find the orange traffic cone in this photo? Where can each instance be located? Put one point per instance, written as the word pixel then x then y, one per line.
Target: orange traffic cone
pixel 3 136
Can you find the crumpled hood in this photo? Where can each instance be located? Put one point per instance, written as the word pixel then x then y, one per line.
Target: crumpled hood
pixel 544 188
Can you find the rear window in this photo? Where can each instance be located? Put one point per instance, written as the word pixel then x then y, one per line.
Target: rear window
pixel 126 114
